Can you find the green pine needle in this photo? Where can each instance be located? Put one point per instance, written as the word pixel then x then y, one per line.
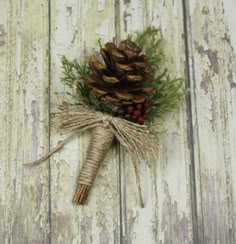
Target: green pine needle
pixel 74 75
pixel 167 92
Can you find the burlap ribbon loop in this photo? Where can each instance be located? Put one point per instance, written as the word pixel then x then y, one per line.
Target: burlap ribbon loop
pixel 135 138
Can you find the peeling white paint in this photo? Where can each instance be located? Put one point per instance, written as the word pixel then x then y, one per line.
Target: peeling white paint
pixel 24 191
pixel 101 4
pixel 212 73
pixel 103 30
pixel 166 186
pixel 101 215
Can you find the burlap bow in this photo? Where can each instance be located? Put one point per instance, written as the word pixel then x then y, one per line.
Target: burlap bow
pixel 135 138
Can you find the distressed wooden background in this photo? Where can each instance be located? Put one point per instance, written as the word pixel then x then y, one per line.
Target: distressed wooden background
pixel 190 193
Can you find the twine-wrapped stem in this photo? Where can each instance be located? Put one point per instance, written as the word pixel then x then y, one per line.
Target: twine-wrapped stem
pixel 101 140
pixel 135 138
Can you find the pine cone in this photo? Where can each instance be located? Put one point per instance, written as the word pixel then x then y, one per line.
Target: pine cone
pixel 124 77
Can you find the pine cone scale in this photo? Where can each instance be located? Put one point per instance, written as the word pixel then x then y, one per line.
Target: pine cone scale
pixel 99 92
pixel 105 55
pixel 110 79
pixel 124 95
pixel 134 78
pixel 94 80
pixel 122 68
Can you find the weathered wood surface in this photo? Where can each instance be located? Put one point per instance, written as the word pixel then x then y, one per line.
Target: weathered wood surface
pixel 166 185
pixel 190 192
pixel 212 70
pixel 75 28
pixel 24 199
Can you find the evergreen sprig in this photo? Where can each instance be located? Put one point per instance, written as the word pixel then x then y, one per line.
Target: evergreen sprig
pixel 73 71
pixel 150 42
pixel 74 75
pixel 167 92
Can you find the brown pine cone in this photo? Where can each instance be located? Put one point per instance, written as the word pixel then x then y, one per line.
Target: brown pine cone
pixel 124 77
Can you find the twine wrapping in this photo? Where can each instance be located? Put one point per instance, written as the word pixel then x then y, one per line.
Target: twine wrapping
pixel 100 142
pixel 135 138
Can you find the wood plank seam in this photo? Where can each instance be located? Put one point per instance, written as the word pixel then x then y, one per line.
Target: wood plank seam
pixel 190 125
pixel 49 122
pixel 117 145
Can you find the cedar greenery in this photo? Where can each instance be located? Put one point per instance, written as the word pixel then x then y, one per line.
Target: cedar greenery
pixel 167 92
pixel 73 77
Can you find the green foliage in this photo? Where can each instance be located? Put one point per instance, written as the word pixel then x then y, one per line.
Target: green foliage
pixel 74 75
pixel 73 71
pixel 150 43
pixel 98 104
pixel 167 92
pixel 167 95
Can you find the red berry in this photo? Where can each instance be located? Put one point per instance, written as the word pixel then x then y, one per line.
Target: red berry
pixel 145 116
pixel 148 104
pixel 134 118
pixel 130 109
pixel 141 120
pixel 137 113
pixel 121 111
pixel 139 106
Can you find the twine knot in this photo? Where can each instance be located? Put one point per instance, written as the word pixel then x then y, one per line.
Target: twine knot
pixel 106 120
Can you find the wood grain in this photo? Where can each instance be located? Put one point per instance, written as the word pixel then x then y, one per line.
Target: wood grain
pixel 166 217
pixel 24 73
pixel 212 46
pixel 76 27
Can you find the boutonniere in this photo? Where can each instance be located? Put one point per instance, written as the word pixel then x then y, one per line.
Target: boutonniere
pixel 123 92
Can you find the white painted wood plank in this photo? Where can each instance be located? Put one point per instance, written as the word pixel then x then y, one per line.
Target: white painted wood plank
pixel 76 27
pixel 23 121
pixel 166 217
pixel 4 121
pixel 212 46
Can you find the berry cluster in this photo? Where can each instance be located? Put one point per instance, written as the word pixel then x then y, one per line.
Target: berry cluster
pixel 137 113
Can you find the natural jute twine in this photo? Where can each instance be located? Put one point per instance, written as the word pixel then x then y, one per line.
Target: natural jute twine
pixel 100 142
pixel 135 138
